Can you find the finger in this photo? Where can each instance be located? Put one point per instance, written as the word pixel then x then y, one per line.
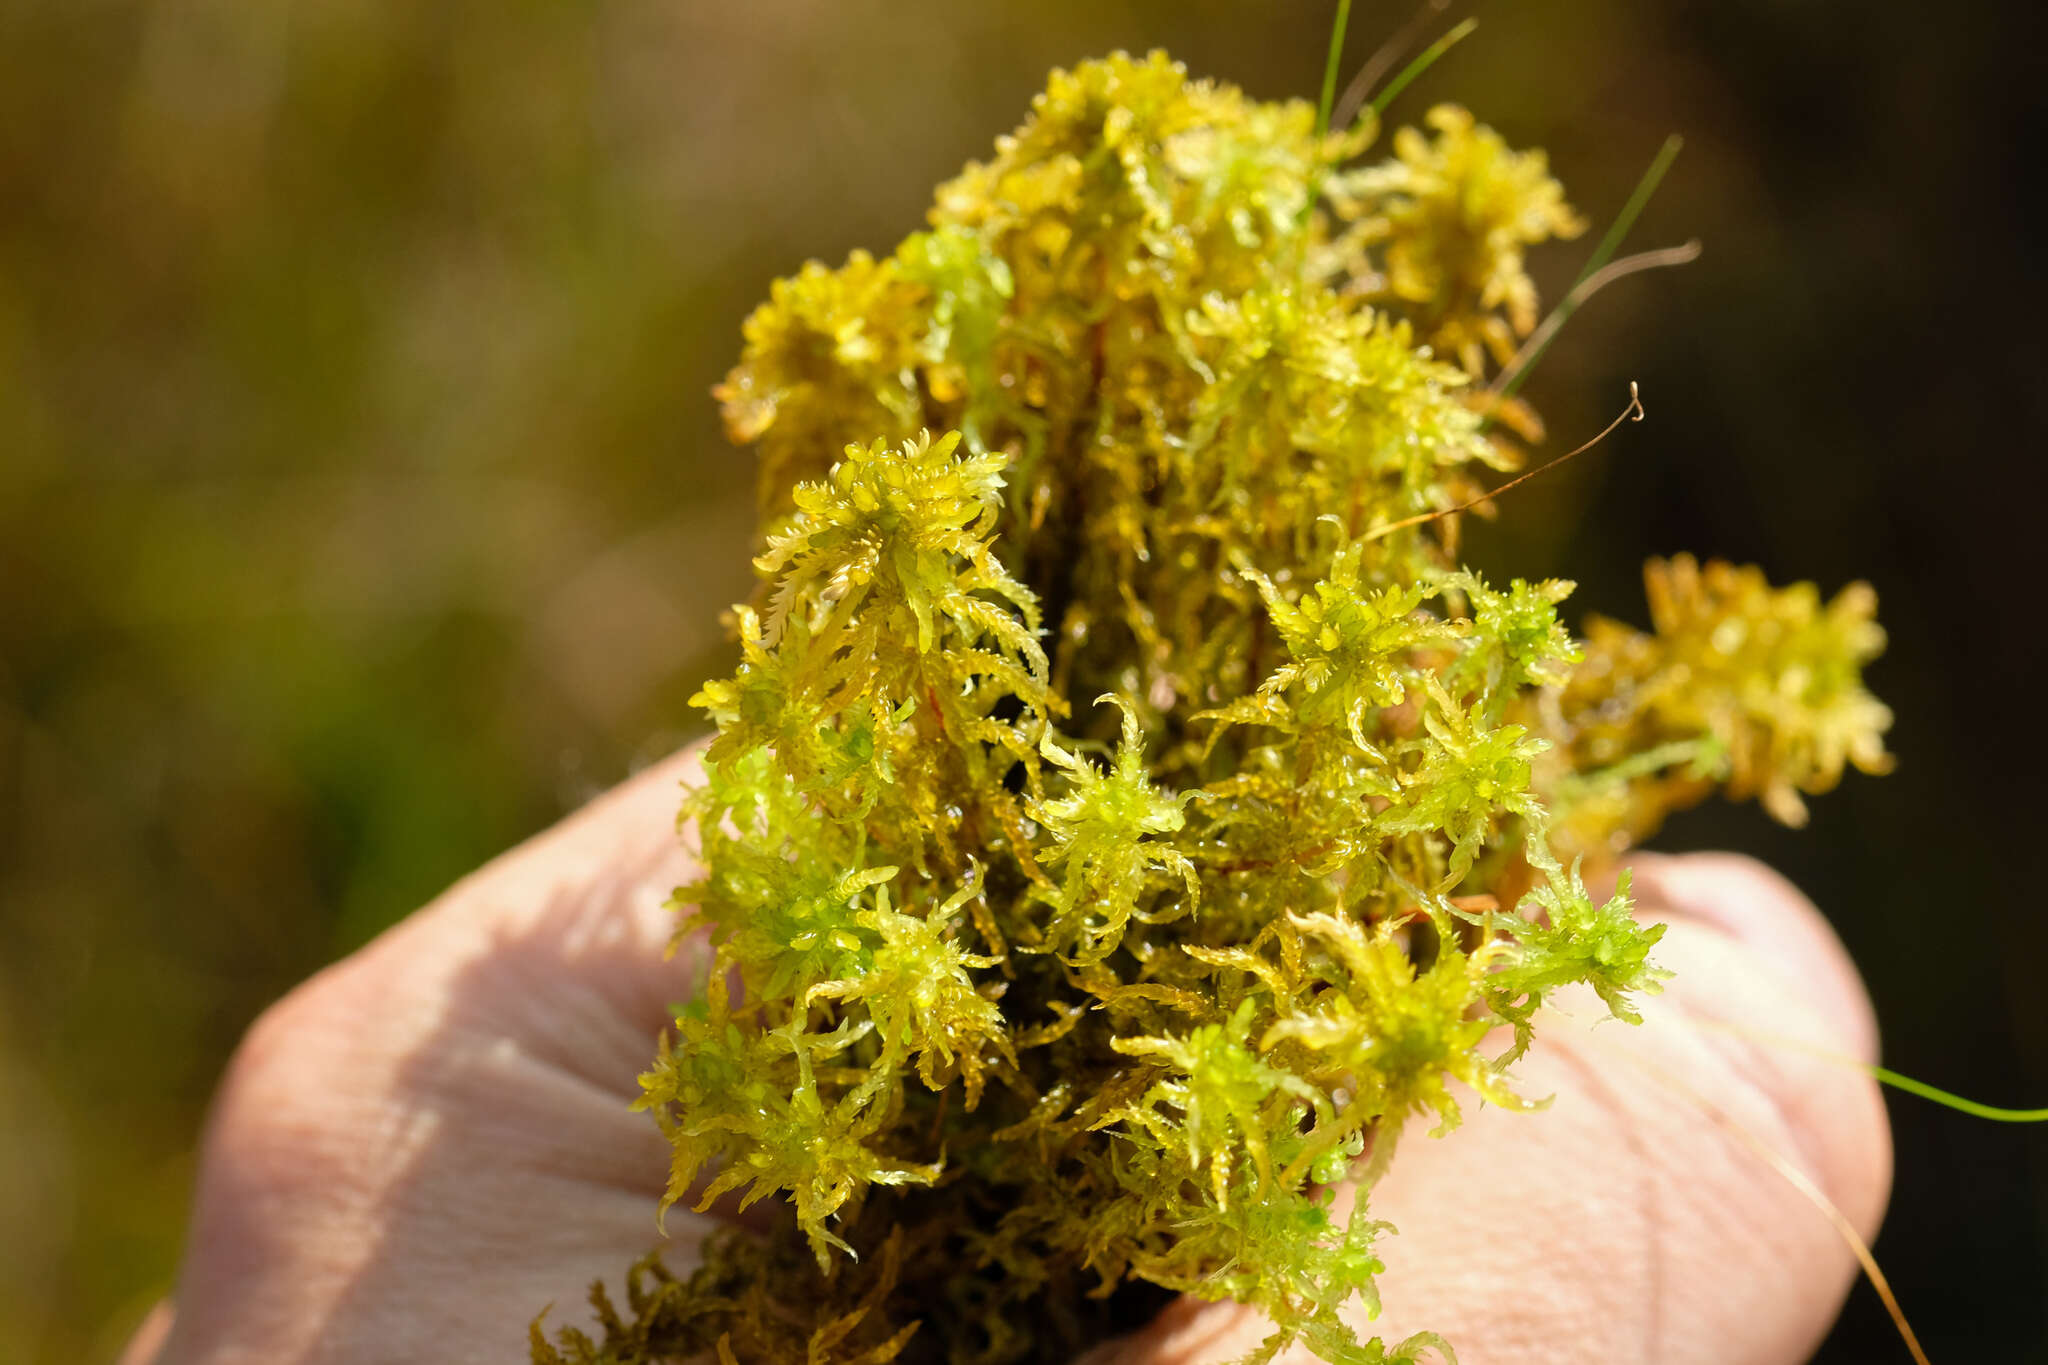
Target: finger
pixel 435 1133
pixel 1787 938
pixel 149 1337
pixel 577 922
pixel 1633 1219
pixel 526 999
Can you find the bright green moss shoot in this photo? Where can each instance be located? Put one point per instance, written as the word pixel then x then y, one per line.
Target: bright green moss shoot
pixel 1113 830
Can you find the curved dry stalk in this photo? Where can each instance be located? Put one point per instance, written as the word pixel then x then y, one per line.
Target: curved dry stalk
pixel 1633 412
pixel 1510 377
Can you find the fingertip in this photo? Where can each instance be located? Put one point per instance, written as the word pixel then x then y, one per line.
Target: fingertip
pixel 601 877
pixel 637 817
pixel 1782 930
pixel 1763 980
pixel 1637 1217
pixel 146 1346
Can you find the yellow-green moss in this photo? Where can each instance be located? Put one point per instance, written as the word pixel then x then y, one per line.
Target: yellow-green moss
pixel 1113 823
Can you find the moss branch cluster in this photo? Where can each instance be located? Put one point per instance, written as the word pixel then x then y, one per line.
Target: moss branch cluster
pixel 1114 830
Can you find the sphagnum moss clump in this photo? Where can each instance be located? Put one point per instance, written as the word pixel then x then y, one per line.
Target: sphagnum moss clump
pixel 1126 815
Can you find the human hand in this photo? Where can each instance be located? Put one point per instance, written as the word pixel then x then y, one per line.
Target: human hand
pixel 424 1144
pixel 420 1147
pixel 1640 1217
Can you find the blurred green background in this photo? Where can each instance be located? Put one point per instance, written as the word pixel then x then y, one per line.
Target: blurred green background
pixel 363 508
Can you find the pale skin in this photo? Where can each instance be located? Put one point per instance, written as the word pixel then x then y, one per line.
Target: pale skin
pixel 421 1146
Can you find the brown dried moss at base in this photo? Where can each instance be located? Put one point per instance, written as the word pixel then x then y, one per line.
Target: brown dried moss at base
pixel 766 1299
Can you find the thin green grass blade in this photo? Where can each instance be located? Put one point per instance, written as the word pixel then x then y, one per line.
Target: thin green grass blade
pixel 1638 200
pixel 1883 1074
pixel 1956 1102
pixel 1330 65
pixel 1421 64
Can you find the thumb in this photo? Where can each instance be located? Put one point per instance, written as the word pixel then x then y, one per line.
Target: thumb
pixel 1635 1219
